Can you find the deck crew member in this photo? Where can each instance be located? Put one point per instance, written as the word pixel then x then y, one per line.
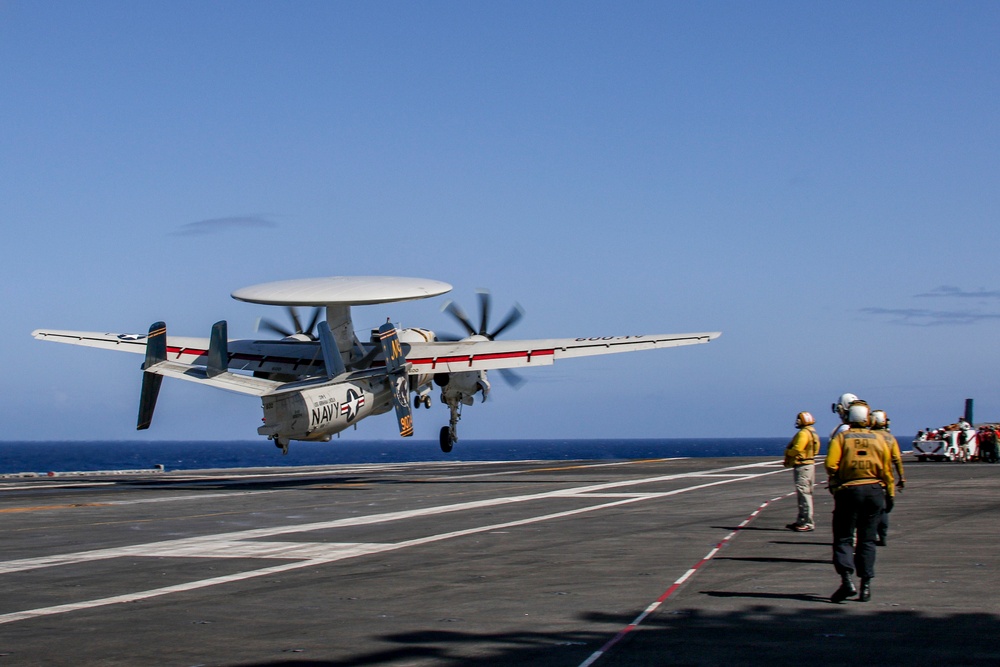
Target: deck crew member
pixel 880 424
pixel 859 467
pixel 840 409
pixel 800 456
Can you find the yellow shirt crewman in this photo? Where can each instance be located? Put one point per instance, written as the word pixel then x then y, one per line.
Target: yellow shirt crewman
pixel 859 467
pixel 800 455
pixel 880 424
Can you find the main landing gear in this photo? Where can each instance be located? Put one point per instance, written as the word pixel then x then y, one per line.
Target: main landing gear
pixel 449 433
pixel 448 439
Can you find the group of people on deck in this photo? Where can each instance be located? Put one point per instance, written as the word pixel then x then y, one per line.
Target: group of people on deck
pixel 860 464
pixel 963 442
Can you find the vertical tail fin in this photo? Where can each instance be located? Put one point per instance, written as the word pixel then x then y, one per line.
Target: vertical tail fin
pixel 218 350
pixel 331 355
pixel 395 367
pixel 156 351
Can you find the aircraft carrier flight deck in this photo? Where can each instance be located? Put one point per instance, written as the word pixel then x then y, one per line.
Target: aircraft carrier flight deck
pixel 652 562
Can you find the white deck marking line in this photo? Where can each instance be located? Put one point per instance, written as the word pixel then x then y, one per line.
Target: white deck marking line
pixel 191 478
pixel 709 474
pixel 596 655
pixel 200 496
pixel 259 533
pixel 192 547
pixel 611 495
pixel 533 470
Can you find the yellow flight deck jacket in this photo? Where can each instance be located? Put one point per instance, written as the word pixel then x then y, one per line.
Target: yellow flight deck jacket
pixel 859 456
pixel 897 456
pixel 803 448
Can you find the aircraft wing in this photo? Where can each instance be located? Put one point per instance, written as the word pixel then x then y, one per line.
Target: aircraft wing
pixel 266 356
pixel 481 355
pixel 122 342
pixel 305 359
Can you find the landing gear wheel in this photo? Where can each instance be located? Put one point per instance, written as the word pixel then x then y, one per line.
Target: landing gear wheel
pixel 447 441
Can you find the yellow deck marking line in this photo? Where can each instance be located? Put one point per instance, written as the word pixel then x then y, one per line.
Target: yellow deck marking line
pixel 42 508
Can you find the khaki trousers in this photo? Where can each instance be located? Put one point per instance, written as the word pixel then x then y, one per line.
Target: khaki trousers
pixel 805 480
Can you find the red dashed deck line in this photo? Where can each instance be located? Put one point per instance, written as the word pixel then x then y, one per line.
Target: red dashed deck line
pixel 677 584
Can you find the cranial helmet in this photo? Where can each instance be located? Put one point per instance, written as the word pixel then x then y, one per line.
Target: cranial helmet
pixel 804 419
pixel 879 419
pixel 843 403
pixel 858 413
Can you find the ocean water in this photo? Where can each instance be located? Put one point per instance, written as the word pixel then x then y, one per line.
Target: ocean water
pixel 42 457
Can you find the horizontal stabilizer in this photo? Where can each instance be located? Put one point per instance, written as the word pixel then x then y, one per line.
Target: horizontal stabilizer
pixel 241 384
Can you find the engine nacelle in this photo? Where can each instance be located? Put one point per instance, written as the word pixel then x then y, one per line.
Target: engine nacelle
pixel 317 412
pixel 462 387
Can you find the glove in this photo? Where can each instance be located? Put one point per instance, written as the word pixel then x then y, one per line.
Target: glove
pixel 901 485
pixel 889 503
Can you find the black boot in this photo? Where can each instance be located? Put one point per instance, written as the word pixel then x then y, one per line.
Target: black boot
pixel 846 589
pixel 866 590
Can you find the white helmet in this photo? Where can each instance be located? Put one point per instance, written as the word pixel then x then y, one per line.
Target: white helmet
pixel 842 404
pixel 879 419
pixel 858 413
pixel 804 419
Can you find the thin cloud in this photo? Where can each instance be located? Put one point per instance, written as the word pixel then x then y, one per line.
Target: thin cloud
pixel 959 293
pixel 924 317
pixel 224 225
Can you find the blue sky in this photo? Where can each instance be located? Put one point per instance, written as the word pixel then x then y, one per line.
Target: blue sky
pixel 819 181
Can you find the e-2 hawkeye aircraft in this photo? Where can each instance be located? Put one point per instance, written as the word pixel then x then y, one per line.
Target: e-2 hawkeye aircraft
pixel 322 378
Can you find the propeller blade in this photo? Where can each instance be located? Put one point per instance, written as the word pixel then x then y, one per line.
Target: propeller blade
pixel 515 315
pixel 513 378
pixel 294 313
pixel 311 330
pixel 274 328
pixel 455 311
pixel 484 311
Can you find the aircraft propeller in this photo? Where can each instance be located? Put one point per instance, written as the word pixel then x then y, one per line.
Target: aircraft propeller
pixel 303 333
pixel 485 305
pixel 485 308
